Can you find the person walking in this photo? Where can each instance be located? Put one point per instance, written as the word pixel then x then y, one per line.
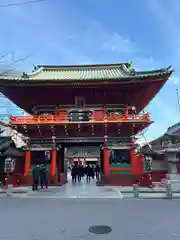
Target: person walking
pixel 46 177
pixel 80 172
pixel 97 171
pixel 74 173
pixel 88 173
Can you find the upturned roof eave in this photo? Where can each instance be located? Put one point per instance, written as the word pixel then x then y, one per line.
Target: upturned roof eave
pixel 123 71
pixel 123 79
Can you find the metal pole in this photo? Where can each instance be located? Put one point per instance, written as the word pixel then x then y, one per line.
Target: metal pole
pixel 135 190
pixel 178 101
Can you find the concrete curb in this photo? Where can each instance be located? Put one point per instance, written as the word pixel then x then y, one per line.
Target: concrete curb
pixel 65 197
pixel 146 191
pixel 151 198
pixel 15 191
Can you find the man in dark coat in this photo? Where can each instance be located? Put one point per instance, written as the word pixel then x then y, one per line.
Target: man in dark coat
pixel 80 172
pixel 97 170
pixel 92 171
pixel 43 177
pixel 74 173
pixel 35 177
pixel 46 177
pixel 88 173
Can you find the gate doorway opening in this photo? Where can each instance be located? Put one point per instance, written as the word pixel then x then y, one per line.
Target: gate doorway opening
pixel 83 160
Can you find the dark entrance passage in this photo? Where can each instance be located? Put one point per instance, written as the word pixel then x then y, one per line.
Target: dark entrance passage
pixel 83 154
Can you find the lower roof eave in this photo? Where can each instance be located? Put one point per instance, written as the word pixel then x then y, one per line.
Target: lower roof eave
pixel 80 140
pixel 15 82
pixel 42 124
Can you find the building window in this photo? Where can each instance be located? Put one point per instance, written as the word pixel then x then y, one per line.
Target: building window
pixel 80 102
pixel 119 156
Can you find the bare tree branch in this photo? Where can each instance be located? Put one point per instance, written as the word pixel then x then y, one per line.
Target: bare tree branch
pixel 3 56
pixel 18 60
pixel 8 68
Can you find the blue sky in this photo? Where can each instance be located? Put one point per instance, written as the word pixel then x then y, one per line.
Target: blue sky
pixel 90 31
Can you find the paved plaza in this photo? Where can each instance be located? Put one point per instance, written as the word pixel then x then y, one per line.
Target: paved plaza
pixel 70 190
pixel 65 219
pixel 88 190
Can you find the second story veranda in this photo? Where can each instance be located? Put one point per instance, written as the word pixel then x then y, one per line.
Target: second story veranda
pixel 97 116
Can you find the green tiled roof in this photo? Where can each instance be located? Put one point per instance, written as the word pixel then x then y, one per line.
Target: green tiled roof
pixel 91 72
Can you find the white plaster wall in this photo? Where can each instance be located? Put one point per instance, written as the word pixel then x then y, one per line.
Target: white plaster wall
pixel 158 165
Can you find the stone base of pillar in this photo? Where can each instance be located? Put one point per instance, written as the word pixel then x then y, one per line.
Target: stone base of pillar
pixel 175 181
pixel 53 180
pixel 174 177
pixel 171 162
pixel 63 178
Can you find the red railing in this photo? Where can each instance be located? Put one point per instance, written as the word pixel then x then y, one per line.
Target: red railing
pixel 96 117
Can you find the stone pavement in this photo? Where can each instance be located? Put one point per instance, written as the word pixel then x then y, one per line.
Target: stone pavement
pixel 78 190
pixel 84 190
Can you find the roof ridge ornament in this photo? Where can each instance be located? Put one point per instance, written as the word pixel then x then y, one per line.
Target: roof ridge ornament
pixel 129 65
pixel 169 68
pixel 24 75
pixel 165 69
pixel 35 68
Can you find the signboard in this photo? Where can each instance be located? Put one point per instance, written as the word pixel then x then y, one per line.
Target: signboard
pixel 85 159
pixel 91 159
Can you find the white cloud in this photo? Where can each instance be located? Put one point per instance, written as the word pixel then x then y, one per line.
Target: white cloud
pixel 147 63
pixel 118 44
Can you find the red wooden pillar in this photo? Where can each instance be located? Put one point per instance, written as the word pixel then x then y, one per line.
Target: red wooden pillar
pixel 106 161
pixel 126 113
pixel 137 164
pixel 53 162
pixel 27 162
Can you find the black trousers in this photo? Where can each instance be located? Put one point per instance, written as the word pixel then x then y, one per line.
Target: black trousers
pixel 44 182
pixel 74 178
pixel 88 178
pixel 97 175
pixel 79 178
pixel 35 185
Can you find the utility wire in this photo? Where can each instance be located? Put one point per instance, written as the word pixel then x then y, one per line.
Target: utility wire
pixel 20 3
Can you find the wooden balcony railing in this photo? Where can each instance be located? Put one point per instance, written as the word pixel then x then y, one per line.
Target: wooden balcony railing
pixel 92 119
